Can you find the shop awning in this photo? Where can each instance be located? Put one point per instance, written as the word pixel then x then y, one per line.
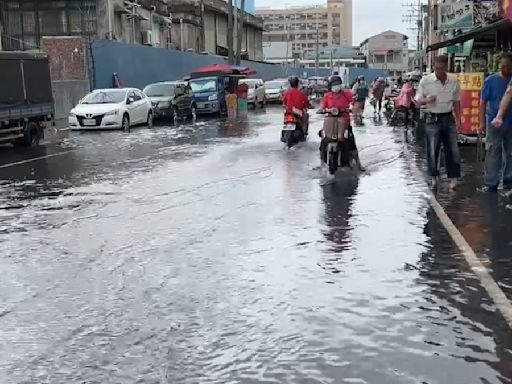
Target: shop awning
pixel 462 50
pixel 463 37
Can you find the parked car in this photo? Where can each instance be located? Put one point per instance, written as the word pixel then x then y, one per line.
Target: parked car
pixel 171 99
pixel 112 109
pixel 275 89
pixel 210 94
pixel 256 95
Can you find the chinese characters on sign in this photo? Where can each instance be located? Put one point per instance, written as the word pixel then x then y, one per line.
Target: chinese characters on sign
pixel 470 86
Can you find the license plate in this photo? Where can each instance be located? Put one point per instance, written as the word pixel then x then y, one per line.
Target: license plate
pixel 89 121
pixel 289 127
pixel 202 105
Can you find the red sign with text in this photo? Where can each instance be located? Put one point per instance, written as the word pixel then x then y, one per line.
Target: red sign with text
pixel 470 85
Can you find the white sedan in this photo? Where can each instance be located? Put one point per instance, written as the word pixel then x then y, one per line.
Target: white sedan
pixel 112 109
pixel 256 94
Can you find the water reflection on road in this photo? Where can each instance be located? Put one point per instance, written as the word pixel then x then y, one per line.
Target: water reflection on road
pixel 208 253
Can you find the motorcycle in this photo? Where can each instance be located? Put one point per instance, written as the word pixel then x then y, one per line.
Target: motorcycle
pixel 332 153
pixel 389 107
pixel 293 132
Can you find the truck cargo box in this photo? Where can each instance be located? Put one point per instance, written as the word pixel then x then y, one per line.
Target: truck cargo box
pixel 24 79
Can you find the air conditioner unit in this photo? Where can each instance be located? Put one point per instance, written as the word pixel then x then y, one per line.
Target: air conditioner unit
pixel 147 37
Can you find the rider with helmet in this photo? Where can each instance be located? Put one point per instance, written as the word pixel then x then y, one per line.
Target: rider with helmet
pixel 341 99
pixel 294 99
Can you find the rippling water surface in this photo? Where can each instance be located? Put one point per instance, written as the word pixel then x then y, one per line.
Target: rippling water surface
pixel 209 254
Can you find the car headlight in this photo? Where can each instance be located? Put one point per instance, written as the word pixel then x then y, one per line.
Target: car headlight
pixel 72 114
pixel 212 97
pixel 111 113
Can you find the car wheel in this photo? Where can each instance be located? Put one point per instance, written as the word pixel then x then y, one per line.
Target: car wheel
pixel 126 122
pixel 149 121
pixel 31 135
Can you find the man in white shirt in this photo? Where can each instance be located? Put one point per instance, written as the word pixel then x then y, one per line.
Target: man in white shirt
pixel 439 92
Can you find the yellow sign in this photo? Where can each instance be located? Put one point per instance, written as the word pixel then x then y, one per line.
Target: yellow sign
pixel 471 81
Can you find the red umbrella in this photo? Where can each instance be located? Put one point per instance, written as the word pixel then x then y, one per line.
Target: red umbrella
pixel 222 69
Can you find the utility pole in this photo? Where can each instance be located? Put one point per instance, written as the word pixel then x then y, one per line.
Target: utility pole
pixel 182 39
pixel 287 30
pixel 230 32
pixel 109 10
pixel 414 17
pixel 132 8
pixel 241 20
pixel 203 36
pixel 235 29
pixel 317 49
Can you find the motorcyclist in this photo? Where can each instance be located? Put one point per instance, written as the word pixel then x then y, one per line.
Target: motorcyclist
pixel 295 100
pixel 340 99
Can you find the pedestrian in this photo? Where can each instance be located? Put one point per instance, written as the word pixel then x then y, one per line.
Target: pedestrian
pixel 405 101
pixel 379 86
pixel 497 122
pixel 361 92
pixel 439 92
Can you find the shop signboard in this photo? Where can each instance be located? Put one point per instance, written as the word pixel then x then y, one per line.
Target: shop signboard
pixel 455 15
pixel 470 86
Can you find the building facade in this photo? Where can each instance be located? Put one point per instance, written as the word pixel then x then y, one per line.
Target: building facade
pixel 305 27
pixel 387 50
pixel 473 40
pixel 196 25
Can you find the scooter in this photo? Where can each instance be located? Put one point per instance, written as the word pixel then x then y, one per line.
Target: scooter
pixel 293 132
pixel 332 154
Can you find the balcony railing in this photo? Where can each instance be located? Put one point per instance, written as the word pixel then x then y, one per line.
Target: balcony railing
pixel 161 6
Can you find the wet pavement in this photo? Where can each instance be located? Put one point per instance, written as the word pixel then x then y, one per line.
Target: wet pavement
pixel 207 253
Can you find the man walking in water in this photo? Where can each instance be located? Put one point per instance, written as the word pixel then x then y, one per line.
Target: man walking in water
pixel 379 86
pixel 495 104
pixel 361 92
pixel 440 93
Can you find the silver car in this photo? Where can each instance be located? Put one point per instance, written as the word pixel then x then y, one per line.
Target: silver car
pixel 275 89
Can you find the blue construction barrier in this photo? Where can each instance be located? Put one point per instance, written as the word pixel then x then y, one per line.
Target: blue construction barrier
pixel 139 65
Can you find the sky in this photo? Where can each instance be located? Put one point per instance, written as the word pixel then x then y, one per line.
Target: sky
pixel 370 17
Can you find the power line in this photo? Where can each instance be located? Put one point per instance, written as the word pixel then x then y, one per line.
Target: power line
pixel 413 16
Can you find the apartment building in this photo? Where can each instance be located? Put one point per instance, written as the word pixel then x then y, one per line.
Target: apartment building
pixel 332 24
pixel 198 25
pixel 387 50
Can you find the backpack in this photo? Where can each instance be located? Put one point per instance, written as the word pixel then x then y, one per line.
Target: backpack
pixel 362 91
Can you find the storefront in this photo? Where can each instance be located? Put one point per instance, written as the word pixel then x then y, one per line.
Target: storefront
pixel 477 50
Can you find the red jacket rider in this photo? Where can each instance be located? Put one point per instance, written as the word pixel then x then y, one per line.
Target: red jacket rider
pixel 295 98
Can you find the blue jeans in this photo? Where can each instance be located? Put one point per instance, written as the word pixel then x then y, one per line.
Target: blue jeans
pixel 498 142
pixel 441 130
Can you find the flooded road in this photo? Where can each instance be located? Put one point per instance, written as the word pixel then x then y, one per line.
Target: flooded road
pixel 209 254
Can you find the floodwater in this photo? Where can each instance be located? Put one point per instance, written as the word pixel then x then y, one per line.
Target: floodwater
pixel 208 253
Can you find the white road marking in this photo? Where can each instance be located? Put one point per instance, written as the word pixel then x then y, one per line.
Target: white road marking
pixel 34 159
pixel 478 268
